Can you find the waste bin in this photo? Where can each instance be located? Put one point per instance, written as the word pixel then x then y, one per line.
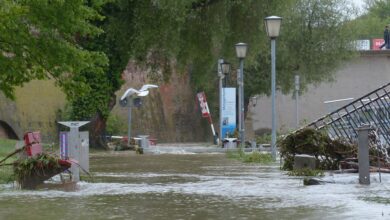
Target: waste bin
pixel 230 143
pixel 144 142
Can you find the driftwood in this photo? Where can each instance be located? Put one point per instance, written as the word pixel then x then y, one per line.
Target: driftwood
pixel 12 153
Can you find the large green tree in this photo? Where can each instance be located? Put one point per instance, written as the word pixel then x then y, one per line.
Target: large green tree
pixel 56 38
pixel 372 22
pixel 315 38
pixel 195 33
pixel 39 39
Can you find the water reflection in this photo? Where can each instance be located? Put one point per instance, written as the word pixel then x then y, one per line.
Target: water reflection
pixel 195 186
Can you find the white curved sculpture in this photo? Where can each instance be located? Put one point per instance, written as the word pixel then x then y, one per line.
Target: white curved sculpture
pixel 144 91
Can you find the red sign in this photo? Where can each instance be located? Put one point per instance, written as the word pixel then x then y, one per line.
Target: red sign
pixel 376 43
pixel 203 104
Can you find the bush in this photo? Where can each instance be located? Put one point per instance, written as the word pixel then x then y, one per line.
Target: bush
pixel 257 157
pixel 254 157
pixel 305 172
pixel 309 141
pixel 115 125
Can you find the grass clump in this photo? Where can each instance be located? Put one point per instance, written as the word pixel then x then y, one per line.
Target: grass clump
pixel 377 199
pixel 254 157
pixel 305 172
pixel 6 146
pixel 6 172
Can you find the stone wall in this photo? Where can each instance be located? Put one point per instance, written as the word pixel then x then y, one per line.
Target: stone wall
pixel 169 113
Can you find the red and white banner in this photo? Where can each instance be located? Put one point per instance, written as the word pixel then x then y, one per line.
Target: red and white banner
pixel 376 43
pixel 204 108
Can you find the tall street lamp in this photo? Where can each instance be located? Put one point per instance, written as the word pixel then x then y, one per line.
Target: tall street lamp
pixel 241 54
pixel 221 76
pixel 272 25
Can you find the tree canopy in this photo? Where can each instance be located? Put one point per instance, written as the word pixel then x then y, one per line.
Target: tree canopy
pixel 85 45
pixel 39 40
pixel 315 39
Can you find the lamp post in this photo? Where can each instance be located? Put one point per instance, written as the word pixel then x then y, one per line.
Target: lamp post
pixel 241 54
pixel 296 100
pixel 225 70
pixel 221 76
pixel 272 25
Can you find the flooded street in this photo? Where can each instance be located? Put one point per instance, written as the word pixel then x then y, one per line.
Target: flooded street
pixel 197 186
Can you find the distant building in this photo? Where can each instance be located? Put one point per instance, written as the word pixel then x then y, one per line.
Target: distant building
pixel 355 79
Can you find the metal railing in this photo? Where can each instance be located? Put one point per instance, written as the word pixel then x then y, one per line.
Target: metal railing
pixel 372 109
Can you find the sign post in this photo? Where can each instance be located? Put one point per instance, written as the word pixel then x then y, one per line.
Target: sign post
pixel 204 108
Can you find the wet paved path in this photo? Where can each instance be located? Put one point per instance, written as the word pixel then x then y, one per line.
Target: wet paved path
pixel 197 186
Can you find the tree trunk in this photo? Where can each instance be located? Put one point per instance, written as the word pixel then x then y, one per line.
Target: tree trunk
pixel 97 128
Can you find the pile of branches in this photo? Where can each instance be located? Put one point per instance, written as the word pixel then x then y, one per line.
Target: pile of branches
pixel 328 152
pixel 31 171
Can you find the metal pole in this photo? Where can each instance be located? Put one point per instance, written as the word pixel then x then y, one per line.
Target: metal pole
pixel 296 100
pixel 273 88
pixel 220 61
pixel 129 122
pixel 241 103
pixel 363 155
pixel 74 151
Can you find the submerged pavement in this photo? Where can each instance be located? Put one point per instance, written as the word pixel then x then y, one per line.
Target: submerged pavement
pixel 183 184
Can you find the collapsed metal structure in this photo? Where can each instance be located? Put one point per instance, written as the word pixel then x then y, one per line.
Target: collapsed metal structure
pixel 371 109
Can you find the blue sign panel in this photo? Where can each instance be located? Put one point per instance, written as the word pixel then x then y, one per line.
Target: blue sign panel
pixel 228 112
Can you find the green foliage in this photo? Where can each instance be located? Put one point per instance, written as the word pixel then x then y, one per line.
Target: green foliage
pixel 6 174
pixel 305 172
pixel 196 33
pixel 254 157
pixel 372 23
pixel 115 125
pixel 264 139
pixel 35 165
pixel 6 146
pixel 257 157
pixel 85 45
pixel 377 199
pixel 39 40
pixel 328 152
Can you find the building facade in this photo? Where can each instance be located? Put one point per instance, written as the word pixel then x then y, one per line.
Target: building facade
pixel 356 78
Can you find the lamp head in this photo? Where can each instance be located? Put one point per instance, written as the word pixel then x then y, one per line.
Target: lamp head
pixel 272 26
pixel 225 66
pixel 241 50
pixel 123 102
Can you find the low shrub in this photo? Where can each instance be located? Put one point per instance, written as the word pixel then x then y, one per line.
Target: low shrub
pixel 254 157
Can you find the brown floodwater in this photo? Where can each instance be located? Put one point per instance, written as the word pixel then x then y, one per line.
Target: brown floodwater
pixel 196 186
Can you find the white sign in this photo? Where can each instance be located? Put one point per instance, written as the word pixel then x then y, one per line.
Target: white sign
pixel 362 45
